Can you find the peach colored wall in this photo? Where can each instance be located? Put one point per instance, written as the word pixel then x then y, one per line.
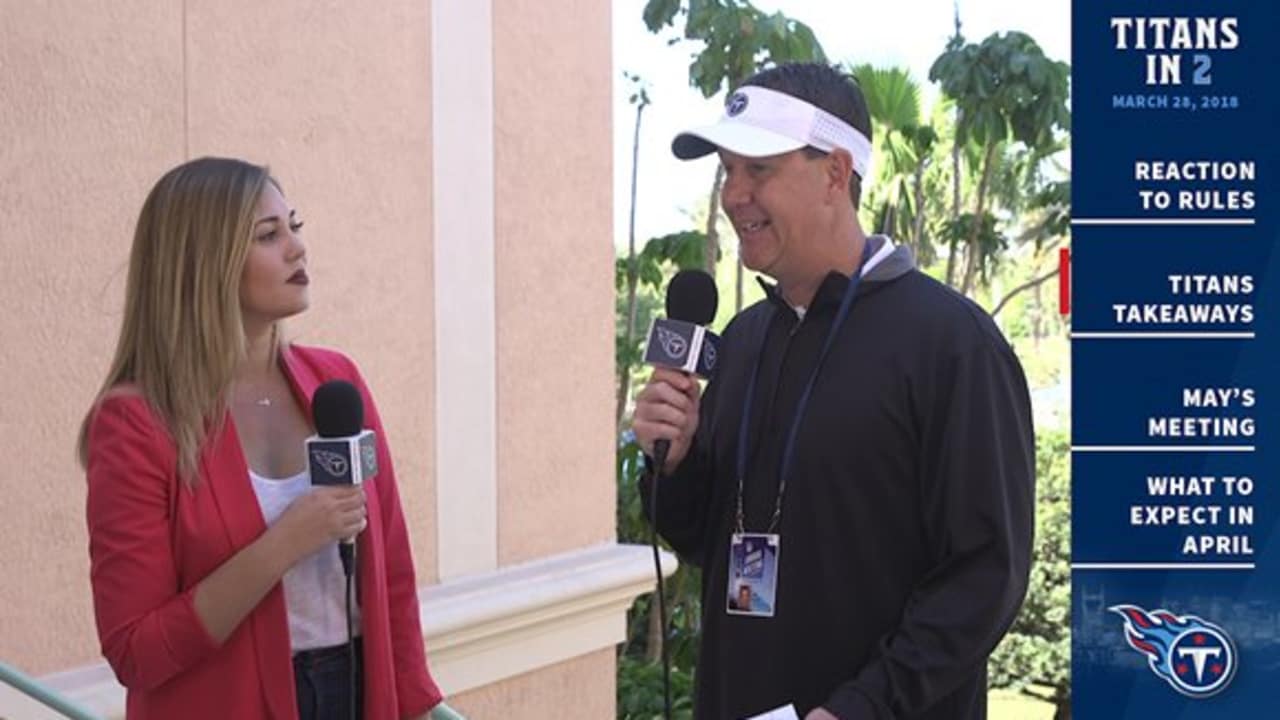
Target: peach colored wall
pixel 90 114
pixel 583 687
pixel 337 100
pixel 104 98
pixel 553 180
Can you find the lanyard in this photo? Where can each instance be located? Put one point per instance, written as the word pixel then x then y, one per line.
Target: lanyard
pixel 788 450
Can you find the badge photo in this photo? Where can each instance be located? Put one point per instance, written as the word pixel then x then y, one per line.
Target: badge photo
pixel 753 574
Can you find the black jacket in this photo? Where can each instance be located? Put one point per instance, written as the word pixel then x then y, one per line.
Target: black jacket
pixel 907 519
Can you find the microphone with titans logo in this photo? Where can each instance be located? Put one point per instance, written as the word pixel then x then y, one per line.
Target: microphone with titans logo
pixel 680 341
pixel 341 452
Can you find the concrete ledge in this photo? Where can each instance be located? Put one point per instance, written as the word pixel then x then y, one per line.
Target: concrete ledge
pixel 488 627
pixel 485 628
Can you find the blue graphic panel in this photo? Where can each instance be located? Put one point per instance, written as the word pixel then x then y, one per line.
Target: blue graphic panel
pixel 1175 549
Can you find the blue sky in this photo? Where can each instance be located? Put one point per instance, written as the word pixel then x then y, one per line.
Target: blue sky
pixel 910 33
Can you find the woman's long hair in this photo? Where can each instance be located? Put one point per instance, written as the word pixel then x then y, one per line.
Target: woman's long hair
pixel 182 337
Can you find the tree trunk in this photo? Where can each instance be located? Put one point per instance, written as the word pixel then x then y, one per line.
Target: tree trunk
pixel 624 369
pixel 952 249
pixel 955 187
pixel 955 171
pixel 653 640
pixel 890 213
pixel 917 227
pixel 971 267
pixel 1037 319
pixel 713 212
pixel 1062 709
pixel 1036 283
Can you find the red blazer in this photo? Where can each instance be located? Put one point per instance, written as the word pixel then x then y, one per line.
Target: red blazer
pixel 152 539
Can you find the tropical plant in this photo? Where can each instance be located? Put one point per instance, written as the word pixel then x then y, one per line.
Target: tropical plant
pixel 737 39
pixel 1005 89
pixel 1035 657
pixel 639 98
pixel 904 147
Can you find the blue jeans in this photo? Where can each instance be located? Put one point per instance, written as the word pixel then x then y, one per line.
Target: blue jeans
pixel 322 681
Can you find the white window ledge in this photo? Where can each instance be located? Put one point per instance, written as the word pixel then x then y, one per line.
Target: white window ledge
pixel 484 628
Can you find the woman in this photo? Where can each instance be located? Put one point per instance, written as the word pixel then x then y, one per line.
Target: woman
pixel 216 587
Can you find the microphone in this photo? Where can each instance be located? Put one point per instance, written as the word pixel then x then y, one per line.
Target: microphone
pixel 680 341
pixel 341 452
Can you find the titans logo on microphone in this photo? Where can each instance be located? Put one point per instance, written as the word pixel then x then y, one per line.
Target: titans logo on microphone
pixel 673 344
pixel 709 353
pixel 332 462
pixel 1190 653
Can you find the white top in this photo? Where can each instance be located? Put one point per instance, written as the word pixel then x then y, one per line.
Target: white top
pixel 314 586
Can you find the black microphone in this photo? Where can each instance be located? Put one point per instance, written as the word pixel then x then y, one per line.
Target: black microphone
pixel 680 341
pixel 341 452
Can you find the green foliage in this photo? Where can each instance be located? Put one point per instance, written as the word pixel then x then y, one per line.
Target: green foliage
pixel 640 681
pixel 640 89
pixel 737 39
pixel 1054 200
pixel 989 241
pixel 892 95
pixel 1037 650
pixel 640 691
pixel 1004 107
pixel 683 250
pixel 632 527
pixel 904 147
pixel 1005 87
pixel 659 258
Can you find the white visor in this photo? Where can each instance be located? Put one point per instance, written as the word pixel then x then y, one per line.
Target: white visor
pixel 759 122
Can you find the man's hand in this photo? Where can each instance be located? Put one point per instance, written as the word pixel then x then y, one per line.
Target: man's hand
pixel 667 408
pixel 820 713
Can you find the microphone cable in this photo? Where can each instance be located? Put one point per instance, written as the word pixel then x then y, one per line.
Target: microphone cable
pixel 348 568
pixel 660 450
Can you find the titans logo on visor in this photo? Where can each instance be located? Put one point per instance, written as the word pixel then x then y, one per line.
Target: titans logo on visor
pixel 1193 655
pixel 737 103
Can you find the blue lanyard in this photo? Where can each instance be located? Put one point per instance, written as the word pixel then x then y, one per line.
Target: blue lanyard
pixel 788 451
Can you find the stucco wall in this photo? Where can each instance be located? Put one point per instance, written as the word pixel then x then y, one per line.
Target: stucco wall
pixel 552 77
pixel 102 102
pixel 96 101
pixel 579 688
pixel 90 112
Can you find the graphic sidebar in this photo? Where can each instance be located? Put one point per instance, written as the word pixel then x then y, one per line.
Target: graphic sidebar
pixel 1175 343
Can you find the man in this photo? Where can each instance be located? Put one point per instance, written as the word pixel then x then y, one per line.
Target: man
pixel 868 425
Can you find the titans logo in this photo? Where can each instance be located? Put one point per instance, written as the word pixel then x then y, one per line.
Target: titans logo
pixel 1193 655
pixel 332 462
pixel 673 344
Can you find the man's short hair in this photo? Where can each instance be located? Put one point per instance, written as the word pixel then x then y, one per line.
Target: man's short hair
pixel 827 88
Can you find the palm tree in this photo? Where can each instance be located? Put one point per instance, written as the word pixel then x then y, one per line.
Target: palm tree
pixel 1005 89
pixel 904 146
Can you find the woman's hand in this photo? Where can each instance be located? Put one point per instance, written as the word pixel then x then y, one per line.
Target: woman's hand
pixel 325 515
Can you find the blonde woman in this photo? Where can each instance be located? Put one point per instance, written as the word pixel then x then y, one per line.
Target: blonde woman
pixel 216 587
